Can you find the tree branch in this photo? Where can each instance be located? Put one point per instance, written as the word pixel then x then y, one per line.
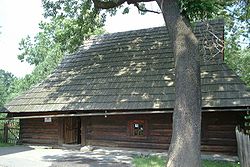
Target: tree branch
pixel 112 4
pixel 145 10
pixel 107 5
pixel 137 1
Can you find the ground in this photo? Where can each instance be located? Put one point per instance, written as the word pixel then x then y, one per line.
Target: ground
pixel 33 156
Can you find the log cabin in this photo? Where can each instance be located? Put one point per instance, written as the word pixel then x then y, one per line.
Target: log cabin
pixel 118 90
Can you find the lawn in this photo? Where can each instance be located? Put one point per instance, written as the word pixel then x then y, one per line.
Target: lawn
pixel 5 145
pixel 156 161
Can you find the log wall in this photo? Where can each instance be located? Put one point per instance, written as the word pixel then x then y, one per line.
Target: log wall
pixel 36 131
pixel 113 131
pixel 218 134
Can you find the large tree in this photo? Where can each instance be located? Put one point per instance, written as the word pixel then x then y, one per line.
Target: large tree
pixel 185 144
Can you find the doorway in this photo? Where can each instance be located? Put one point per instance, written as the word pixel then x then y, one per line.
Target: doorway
pixel 71 130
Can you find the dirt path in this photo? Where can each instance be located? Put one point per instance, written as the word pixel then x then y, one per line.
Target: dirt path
pixel 28 156
pixel 20 156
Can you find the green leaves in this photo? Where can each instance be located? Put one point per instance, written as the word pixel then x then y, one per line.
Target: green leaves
pixel 68 24
pixel 6 79
pixel 125 10
pixel 238 60
pixel 196 10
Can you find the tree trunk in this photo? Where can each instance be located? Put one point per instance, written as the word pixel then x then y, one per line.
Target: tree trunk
pixel 184 149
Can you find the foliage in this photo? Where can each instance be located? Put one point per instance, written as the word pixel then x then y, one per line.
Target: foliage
pixel 68 26
pixel 200 9
pixel 237 41
pixel 236 14
pixel 247 123
pixel 237 29
pixel 6 79
pixel 156 161
pixel 2 115
pixel 238 59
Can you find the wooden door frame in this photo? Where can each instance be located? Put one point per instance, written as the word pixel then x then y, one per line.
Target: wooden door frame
pixel 83 130
pixel 61 130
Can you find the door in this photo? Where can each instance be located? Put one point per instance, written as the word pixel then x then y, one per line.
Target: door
pixel 71 130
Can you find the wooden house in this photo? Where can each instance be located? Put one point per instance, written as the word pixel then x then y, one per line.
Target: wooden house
pixel 118 90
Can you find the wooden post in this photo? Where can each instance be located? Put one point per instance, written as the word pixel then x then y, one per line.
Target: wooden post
pixel 5 133
pixel 20 140
pixel 83 130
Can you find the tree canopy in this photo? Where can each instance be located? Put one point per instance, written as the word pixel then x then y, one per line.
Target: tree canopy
pixel 59 35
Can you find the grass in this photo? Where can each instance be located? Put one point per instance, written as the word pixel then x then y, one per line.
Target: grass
pixel 148 161
pixel 6 145
pixel 156 161
pixel 207 163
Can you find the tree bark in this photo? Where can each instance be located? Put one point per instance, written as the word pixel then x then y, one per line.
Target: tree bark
pixel 184 149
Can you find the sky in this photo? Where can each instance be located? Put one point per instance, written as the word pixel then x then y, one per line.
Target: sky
pixel 19 18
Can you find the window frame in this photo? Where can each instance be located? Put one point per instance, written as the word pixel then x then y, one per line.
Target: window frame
pixel 131 128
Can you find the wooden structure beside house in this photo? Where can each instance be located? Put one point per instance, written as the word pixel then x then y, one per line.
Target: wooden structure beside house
pixel 118 90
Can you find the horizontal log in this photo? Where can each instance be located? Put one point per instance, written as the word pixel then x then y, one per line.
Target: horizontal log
pixel 128 144
pixel 161 126
pixel 219 142
pixel 89 114
pixel 221 127
pixel 160 132
pixel 219 149
pixel 39 141
pixel 39 135
pixel 160 140
pixel 108 135
pixel 220 134
pixel 32 130
pixel 106 128
pixel 37 126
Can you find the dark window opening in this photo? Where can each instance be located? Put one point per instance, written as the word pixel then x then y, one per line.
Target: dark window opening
pixel 137 128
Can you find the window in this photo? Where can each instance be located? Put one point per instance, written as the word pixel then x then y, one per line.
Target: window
pixel 137 128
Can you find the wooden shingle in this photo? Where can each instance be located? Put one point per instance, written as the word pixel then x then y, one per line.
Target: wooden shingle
pixel 133 70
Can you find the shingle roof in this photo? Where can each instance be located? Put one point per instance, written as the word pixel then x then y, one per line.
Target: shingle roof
pixel 132 70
